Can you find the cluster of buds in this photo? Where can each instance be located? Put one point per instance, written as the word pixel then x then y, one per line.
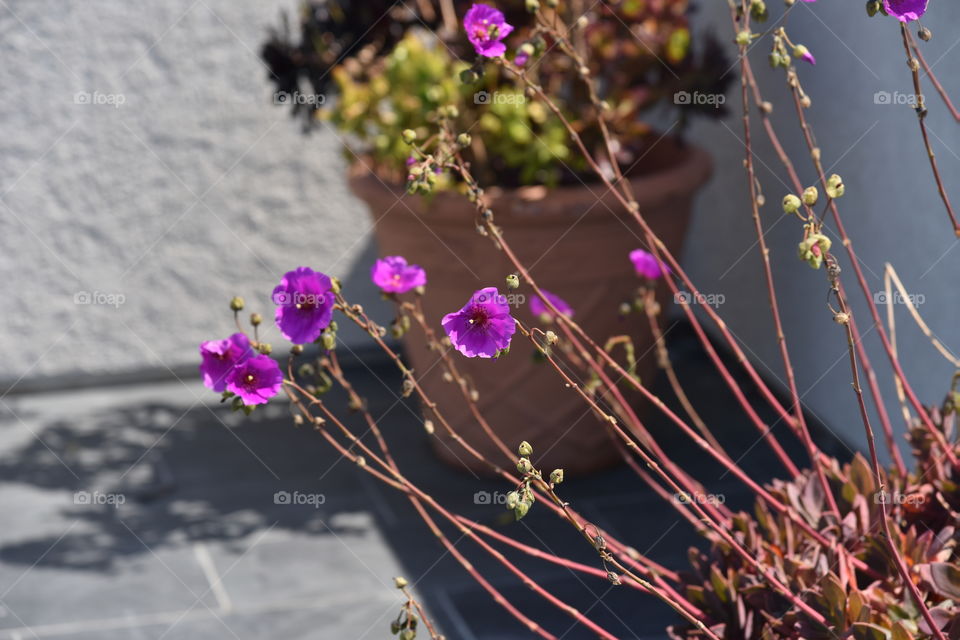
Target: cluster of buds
pixel 520 500
pixel 405 624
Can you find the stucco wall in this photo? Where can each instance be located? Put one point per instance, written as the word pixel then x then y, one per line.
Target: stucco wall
pixel 143 157
pixel 197 188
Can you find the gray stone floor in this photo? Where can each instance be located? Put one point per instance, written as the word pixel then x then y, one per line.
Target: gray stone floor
pixel 151 512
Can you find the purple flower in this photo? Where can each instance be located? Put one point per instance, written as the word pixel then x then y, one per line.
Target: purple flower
pixel 255 380
pixel 219 358
pixel 483 327
pixel 521 59
pixel 486 28
pixel 645 264
pixel 905 10
pixel 539 309
pixel 304 300
pixel 394 275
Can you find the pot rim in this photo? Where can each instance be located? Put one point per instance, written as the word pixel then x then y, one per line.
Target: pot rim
pixel 680 179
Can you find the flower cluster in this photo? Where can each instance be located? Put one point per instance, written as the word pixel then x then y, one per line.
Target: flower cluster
pixel 233 367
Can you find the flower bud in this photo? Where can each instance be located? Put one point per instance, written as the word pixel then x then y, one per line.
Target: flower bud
pixel 835 188
pixel 524 466
pixel 552 3
pixel 744 38
pixel 758 11
pixel 513 499
pixel 810 195
pixel 551 338
pixel 428 426
pixel 329 340
pixel 533 5
pixel 924 34
pixel 521 510
pixel 468 76
pixel 556 476
pixel 408 634
pixel 400 582
pixel 791 203
pixel 409 136
pixel 873 6
pixel 296 349
pixel 842 318
pixel 236 304
pixel 513 281
pixel 525 449
pixel 813 248
pixel 265 348
pixel 256 319
pixel 464 139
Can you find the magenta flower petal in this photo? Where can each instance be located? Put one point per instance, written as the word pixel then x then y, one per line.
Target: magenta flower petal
pixel 255 380
pixel 304 300
pixel 905 10
pixel 483 327
pixel 645 264
pixel 220 356
pixel 394 275
pixel 538 308
pixel 486 28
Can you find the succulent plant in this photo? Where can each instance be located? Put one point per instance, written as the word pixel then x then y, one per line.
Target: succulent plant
pixel 866 603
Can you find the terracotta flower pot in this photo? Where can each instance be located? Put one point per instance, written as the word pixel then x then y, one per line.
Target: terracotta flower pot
pixel 575 241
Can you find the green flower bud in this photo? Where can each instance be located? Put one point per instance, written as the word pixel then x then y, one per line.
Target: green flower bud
pixel 328 340
pixel 513 499
pixel 513 281
pixel 835 188
pixel 409 136
pixel 296 349
pixel 791 203
pixel 236 304
pixel 408 634
pixel 924 34
pixel 524 466
pixel 873 6
pixel 464 139
pixel 813 248
pixel 556 476
pixel 468 76
pixel 256 319
pixel 758 11
pixel 533 5
pixel 521 510
pixel 800 51
pixel 810 195
pixel 525 449
pixel 265 348
pixel 744 38
pixel 400 582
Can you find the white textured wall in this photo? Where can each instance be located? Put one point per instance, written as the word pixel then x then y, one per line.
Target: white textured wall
pixel 194 189
pixel 891 208
pixel 197 188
